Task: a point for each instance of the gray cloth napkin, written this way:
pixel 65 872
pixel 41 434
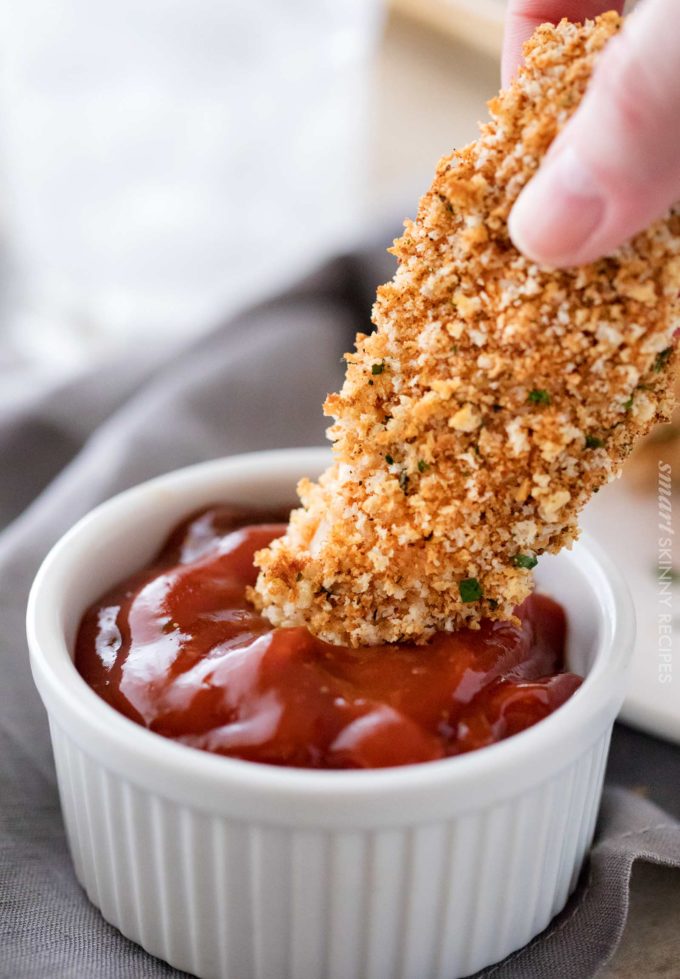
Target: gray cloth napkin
pixel 256 382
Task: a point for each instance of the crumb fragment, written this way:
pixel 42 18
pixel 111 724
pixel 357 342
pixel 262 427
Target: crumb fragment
pixel 493 399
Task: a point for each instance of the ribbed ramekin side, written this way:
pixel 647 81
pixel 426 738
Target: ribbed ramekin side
pixel 228 899
pixel 513 866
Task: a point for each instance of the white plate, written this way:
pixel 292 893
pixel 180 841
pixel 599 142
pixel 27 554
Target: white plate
pixel 626 524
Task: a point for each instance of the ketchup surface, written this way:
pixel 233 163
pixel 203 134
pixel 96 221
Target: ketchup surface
pixel 178 649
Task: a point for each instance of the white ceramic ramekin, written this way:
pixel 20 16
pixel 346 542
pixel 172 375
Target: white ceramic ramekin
pixel 241 871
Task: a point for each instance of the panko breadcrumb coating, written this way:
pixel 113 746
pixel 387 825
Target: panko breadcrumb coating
pixel 661 445
pixel 493 399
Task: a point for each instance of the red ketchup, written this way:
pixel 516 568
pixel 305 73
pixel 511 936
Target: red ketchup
pixel 178 649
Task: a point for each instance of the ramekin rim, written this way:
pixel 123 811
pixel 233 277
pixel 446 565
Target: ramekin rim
pixel 68 686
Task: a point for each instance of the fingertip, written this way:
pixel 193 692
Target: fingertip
pixel 516 33
pixel 517 229
pixel 558 212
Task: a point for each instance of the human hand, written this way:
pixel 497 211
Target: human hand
pixel 615 167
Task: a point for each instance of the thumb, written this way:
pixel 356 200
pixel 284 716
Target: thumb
pixel 615 167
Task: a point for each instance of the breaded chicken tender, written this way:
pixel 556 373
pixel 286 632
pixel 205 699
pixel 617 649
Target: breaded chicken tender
pixel 493 399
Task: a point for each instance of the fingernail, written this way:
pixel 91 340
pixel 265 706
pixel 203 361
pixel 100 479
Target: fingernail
pixel 558 211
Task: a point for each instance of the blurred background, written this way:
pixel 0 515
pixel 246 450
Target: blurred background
pixel 164 163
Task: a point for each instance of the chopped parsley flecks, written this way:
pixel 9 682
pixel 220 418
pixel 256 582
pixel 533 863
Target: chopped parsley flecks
pixel 377 368
pixel 422 466
pixel 539 396
pixel 527 561
pixel 470 590
pixel 593 442
pixel 662 359
pixel 389 460
pixel 628 404
pixel 446 202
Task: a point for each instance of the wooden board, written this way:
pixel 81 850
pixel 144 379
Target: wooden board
pixel 478 23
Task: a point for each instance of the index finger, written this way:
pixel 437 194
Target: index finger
pixel 524 16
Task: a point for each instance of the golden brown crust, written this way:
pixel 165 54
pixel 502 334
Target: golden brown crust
pixel 641 471
pixel 493 399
